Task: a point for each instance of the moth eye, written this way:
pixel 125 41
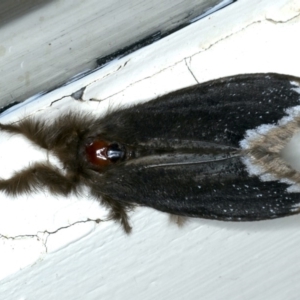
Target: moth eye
pixel 101 153
pixel 114 152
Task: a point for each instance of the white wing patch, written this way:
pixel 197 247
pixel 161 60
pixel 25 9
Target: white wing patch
pixel 272 152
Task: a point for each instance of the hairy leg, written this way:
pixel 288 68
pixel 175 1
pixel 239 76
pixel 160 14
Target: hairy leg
pixel 37 177
pixel 35 130
pixel 118 211
pixel 63 131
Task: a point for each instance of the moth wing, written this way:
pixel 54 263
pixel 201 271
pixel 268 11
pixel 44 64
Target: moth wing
pixel 218 111
pixel 216 190
pixel 209 119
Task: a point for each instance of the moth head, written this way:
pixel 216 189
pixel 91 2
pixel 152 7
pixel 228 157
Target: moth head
pixel 101 154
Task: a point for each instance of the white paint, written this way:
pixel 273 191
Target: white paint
pixel 204 259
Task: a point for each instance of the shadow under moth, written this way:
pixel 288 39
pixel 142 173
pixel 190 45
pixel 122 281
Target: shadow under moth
pixel 216 150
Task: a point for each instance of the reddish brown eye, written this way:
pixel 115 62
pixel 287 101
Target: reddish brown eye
pixel 101 153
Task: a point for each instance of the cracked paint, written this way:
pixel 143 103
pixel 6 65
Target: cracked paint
pixel 43 236
pixel 285 13
pixel 188 65
pixel 156 85
pixel 281 13
pixel 258 48
pixel 32 245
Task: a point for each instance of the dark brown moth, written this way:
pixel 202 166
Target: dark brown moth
pixel 188 153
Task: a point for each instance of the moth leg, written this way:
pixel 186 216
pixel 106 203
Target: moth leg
pixel 34 130
pixel 63 131
pixel 118 211
pixel 37 177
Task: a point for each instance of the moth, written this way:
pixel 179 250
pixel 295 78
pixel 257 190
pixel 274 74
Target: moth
pixel 215 150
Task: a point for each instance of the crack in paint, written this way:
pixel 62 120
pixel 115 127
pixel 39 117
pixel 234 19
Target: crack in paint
pixel 59 99
pixel 173 65
pixel 79 94
pixel 183 60
pixel 190 57
pixel 42 236
pixel 106 75
pixel 274 21
pixel 140 80
pixel 188 66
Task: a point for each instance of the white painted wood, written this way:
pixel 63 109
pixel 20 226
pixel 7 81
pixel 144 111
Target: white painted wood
pixel 46 42
pixel 203 260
